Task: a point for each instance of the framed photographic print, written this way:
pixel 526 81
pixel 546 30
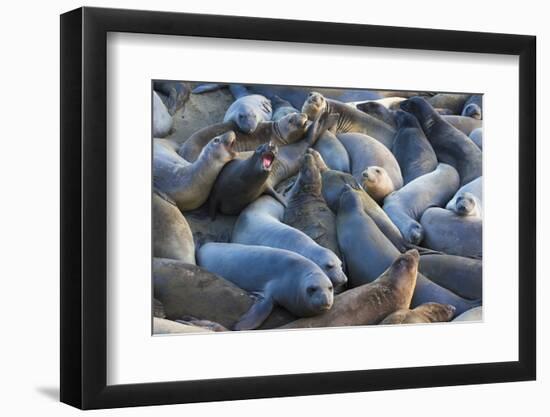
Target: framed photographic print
pixel 258 208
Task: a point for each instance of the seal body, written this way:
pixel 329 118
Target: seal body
pixel 174 95
pixel 453 102
pixel 378 110
pixel 448 232
pixel 468 200
pixel 189 184
pixel 172 237
pixel 278 277
pixel 281 108
pixel 248 111
pixel 406 206
pixel 450 145
pixel 333 152
pixel 350 119
pixel 162 120
pixel 477 137
pixel 411 148
pixel 424 313
pixel 463 123
pixel 261 224
pixel 370 303
pixel 284 131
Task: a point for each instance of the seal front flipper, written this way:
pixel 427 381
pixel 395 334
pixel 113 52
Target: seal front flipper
pixel 270 191
pixel 257 314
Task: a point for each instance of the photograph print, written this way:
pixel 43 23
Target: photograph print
pixel 290 207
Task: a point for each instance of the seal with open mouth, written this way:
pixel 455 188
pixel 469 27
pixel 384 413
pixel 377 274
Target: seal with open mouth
pixel 243 180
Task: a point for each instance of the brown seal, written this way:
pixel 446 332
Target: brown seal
pixel 424 313
pixel 377 183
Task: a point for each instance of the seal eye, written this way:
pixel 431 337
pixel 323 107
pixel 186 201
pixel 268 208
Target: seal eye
pixel 377 170
pixel 217 140
pixel 330 288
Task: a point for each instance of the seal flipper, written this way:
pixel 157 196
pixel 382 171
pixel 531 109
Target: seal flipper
pixel 205 88
pixel 257 314
pixel 271 192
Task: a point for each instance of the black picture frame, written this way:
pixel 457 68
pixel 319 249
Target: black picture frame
pixel 84 207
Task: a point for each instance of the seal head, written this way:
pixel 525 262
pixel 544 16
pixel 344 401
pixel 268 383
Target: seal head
pixel 377 183
pixel 220 148
pixel 315 296
pixel 292 127
pixel 314 104
pixel 472 110
pixel 466 204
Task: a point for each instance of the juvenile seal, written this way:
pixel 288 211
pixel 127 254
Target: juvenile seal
pixel 463 276
pixel 450 145
pixel 472 107
pixel 242 181
pixel 260 223
pixel 411 148
pixel 448 232
pixel 189 184
pixel 350 119
pixel 365 151
pixel 377 182
pixel 367 253
pixel 248 111
pixel 333 152
pixel 172 237
pixel 465 124
pixel 191 291
pixel 468 200
pixel 162 120
pixel 370 303
pixel 284 131
pixel 477 137
pixel 424 313
pixel 405 206
pixel 307 210
pixel 276 276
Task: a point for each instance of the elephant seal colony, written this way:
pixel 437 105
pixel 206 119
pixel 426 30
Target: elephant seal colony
pixel 281 207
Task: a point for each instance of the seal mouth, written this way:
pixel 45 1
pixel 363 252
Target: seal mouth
pixel 267 160
pixel 229 142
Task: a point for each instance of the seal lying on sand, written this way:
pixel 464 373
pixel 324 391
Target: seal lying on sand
pixel 277 276
pixel 405 206
pixel 424 313
pixel 248 111
pixel 350 119
pixel 284 131
pixel 189 184
pixel 370 303
pixel 260 223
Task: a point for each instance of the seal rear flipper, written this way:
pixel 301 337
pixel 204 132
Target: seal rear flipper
pixel 257 314
pixel 271 192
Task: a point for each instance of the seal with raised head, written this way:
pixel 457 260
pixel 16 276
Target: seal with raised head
pixel 248 111
pixel 350 119
pixel 450 233
pixel 450 145
pixel 406 206
pixel 377 182
pixel 365 151
pixel 284 131
pixel 370 303
pixel 276 276
pixel 463 276
pixel 367 253
pixel 468 200
pixel 172 237
pixel 191 291
pixel 411 148
pixel 189 184
pixel 424 313
pixel 260 223
pixel 307 210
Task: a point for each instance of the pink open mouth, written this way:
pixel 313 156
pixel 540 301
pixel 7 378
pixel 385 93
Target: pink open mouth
pixel 267 160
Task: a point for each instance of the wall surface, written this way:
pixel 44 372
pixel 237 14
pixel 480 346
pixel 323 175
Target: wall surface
pixel 29 222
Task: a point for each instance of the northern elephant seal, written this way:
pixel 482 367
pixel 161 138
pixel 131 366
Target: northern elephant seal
pixel 473 107
pixel 468 200
pixel 260 223
pixel 173 94
pixel 189 184
pixel 277 276
pixel 405 206
pixel 172 237
pixel 378 110
pixel 411 148
pixel 162 120
pixel 333 152
pixel 248 111
pixel 450 145
pixel 465 124
pixel 453 102
pixel 377 182
pixel 477 137
pixel 424 313
pixel 370 303
pixel 350 119
pixel 450 233
pixel 284 131
pixel 306 208
pixel 281 108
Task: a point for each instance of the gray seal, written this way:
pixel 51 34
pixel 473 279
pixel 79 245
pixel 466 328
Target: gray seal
pixel 248 111
pixel 281 108
pixel 306 208
pixel 288 129
pixel 465 124
pixel 450 145
pixel 350 119
pixel 405 206
pixel 333 152
pixel 411 148
pixel 172 237
pixel 468 200
pixel 477 137
pixel 261 224
pixel 370 303
pixel 189 184
pixel 424 313
pixel 450 233
pixel 378 110
pixel 463 276
pixel 473 107
pixel 276 276
pixel 368 253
